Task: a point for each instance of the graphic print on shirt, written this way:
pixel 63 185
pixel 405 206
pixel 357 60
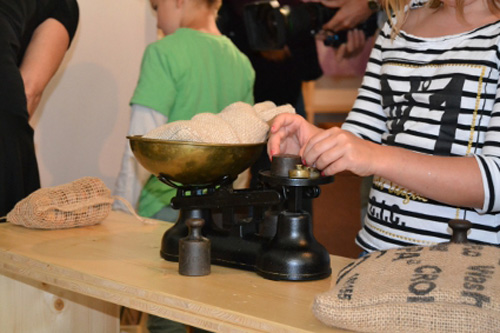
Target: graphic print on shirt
pixel 400 113
pixel 449 99
pixel 442 97
pixel 430 109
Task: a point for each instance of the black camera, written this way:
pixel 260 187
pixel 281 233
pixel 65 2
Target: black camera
pixel 270 26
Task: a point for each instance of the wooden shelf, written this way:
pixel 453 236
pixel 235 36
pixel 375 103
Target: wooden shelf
pixel 330 95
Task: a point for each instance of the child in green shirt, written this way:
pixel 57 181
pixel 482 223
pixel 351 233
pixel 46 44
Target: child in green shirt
pixel 193 69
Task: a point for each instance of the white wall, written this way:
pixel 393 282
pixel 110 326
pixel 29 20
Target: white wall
pixel 82 121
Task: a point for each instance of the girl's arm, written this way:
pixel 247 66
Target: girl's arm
pixel 452 180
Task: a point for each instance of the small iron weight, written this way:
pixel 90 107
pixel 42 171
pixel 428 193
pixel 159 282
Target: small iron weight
pixel 194 250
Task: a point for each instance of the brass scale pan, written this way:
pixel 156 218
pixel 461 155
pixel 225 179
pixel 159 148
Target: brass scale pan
pixel 193 163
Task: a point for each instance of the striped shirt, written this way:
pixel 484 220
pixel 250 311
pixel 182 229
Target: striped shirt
pixel 437 96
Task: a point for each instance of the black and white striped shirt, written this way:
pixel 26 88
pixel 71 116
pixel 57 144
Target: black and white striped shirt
pixel 436 96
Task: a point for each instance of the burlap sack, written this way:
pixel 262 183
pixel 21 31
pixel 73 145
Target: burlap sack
pixel 237 123
pixel 83 202
pixel 444 288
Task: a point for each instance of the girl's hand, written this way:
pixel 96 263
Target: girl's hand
pixel 335 150
pixel 289 133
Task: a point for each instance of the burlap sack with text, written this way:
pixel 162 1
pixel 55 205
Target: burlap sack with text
pixel 237 123
pixel 83 202
pixel 444 288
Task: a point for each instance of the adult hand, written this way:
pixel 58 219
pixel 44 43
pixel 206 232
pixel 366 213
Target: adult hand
pixel 350 13
pixel 335 150
pixel 355 44
pixel 289 134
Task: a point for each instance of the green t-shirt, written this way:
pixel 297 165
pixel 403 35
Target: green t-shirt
pixel 187 73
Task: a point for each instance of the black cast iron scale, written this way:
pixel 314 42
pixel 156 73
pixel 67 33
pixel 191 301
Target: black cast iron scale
pixel 263 230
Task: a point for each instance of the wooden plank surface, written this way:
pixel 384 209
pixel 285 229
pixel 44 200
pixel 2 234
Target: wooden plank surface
pixel 118 261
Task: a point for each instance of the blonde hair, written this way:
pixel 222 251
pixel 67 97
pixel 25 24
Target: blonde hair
pixel 397 8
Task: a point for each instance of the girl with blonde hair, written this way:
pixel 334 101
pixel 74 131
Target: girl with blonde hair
pixel 426 125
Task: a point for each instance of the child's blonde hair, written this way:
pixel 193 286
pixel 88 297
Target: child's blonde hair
pixel 397 8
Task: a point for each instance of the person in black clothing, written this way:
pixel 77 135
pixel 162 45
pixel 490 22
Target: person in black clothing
pixel 278 73
pixel 34 36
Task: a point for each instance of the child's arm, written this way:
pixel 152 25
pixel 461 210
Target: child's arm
pixel 133 176
pixel 452 180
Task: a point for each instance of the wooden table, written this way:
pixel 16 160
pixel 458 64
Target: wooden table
pixel 75 280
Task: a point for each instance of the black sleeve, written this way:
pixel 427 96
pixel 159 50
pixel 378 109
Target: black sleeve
pixel 67 12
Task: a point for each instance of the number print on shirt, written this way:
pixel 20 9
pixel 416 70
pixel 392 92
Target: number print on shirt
pixel 446 99
pixel 449 99
pixel 398 112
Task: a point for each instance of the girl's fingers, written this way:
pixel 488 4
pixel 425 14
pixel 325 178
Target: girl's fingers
pixel 318 145
pixel 284 132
